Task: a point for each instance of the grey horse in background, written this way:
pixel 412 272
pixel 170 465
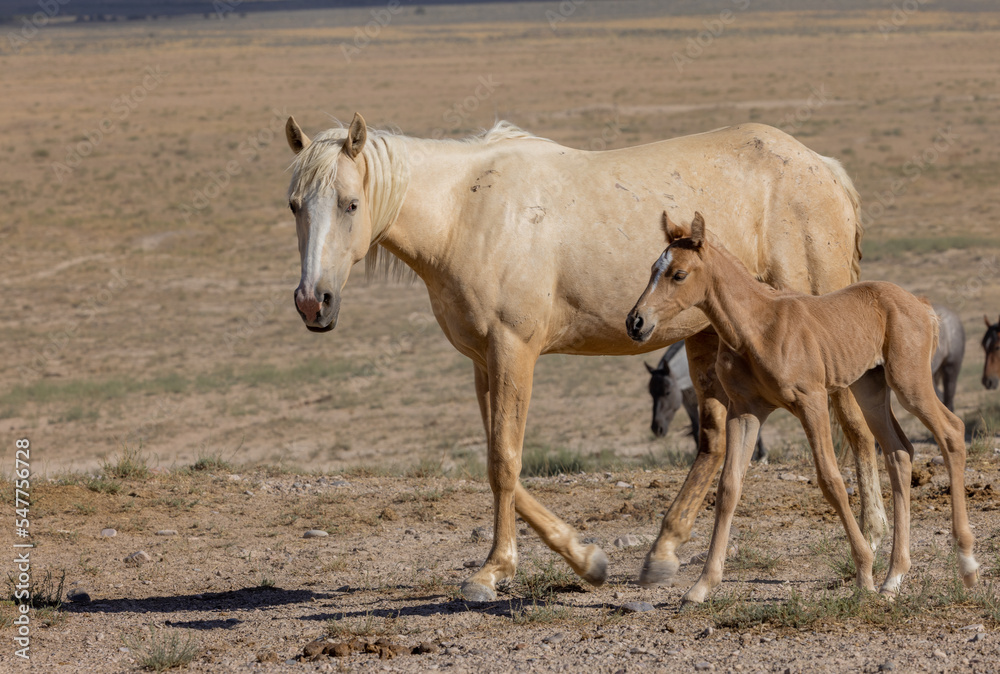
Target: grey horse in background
pixel 947 361
pixel 671 387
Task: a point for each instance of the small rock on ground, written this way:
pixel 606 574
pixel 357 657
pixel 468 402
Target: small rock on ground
pixel 627 541
pixel 78 597
pixel 315 533
pixel 139 557
pixel 704 666
pixel 108 533
pixel 166 532
pixel 637 607
pixel 554 638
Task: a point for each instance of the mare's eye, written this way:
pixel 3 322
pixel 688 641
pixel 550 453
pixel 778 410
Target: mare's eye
pixel 351 207
pixel 680 275
pixel 293 208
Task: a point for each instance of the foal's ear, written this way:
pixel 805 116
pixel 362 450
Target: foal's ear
pixel 672 230
pixel 698 229
pixel 297 139
pixel 356 136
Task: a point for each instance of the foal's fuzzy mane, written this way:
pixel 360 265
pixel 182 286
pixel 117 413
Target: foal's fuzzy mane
pixel 389 165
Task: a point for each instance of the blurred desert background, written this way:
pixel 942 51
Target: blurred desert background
pixel 149 257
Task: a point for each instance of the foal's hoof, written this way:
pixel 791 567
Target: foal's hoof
pixel 969 568
pixel 477 592
pixel 597 566
pixel 659 572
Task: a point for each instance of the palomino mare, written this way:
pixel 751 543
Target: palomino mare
pixel 528 247
pixel 670 387
pixel 991 345
pixel 947 362
pixel 783 349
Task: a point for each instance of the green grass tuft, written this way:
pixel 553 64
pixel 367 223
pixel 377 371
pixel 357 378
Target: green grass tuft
pixel 164 650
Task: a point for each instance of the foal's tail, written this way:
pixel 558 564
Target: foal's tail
pixel 855 199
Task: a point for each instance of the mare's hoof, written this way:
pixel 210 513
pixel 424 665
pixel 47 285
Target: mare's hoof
pixel 477 592
pixel 597 568
pixel 659 572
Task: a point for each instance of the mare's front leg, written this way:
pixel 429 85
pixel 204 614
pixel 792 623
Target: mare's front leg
pixel 812 411
pixel 588 561
pixel 743 425
pixel 504 394
pixel 661 562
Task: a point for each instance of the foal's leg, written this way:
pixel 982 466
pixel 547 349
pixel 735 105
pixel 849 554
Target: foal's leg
pixel 812 412
pixel 661 562
pixel 873 395
pixel 742 428
pixel 874 524
pixel 916 393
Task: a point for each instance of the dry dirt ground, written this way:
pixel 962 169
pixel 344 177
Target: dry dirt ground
pixel 148 259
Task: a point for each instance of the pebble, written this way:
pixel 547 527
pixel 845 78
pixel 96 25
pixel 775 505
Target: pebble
pixel 704 666
pixel 78 597
pixel 427 647
pixel 638 650
pixel 315 533
pixel 887 666
pixel 979 636
pixel 623 485
pixel 108 533
pixel 850 491
pixel 139 557
pixel 978 627
pixel 410 532
pixel 637 607
pixel 707 632
pixel 340 483
pixel 481 534
pixel 520 646
pixel 166 532
pixel 940 655
pixel 938 461
pixel 554 638
pixel 472 564
pixel 627 541
pixel 248 492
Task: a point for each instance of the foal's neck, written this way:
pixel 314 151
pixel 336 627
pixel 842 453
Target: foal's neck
pixel 735 302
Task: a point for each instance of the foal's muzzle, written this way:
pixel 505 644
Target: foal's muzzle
pixel 637 327
pixel 991 382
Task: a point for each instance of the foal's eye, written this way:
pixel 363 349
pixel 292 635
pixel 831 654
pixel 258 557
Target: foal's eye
pixel 351 207
pixel 680 275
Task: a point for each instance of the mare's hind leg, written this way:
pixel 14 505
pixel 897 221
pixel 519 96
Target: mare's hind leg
pixel 915 391
pixel 589 561
pixel 873 395
pixel 813 413
pixel 873 520
pixel 661 562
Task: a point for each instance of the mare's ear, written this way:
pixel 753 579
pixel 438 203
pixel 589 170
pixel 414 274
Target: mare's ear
pixel 698 229
pixel 297 139
pixel 356 136
pixel 672 230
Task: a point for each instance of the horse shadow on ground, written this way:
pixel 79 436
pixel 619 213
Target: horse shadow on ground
pixel 233 600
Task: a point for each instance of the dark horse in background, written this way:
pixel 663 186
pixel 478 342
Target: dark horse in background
pixel 991 345
pixel 671 387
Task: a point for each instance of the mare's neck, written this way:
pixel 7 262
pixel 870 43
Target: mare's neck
pixel 422 232
pixel 735 302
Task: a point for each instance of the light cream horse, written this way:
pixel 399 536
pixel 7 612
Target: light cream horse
pixel 790 350
pixel 528 247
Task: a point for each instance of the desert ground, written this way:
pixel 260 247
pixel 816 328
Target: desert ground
pixel 169 384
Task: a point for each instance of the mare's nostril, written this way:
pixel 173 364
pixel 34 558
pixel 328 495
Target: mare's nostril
pixel 327 298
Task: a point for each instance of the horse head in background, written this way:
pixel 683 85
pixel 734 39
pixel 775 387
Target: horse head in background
pixel 991 345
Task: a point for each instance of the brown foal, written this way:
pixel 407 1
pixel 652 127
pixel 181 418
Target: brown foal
pixel 790 350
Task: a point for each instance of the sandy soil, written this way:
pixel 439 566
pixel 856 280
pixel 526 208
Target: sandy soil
pixel 148 304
